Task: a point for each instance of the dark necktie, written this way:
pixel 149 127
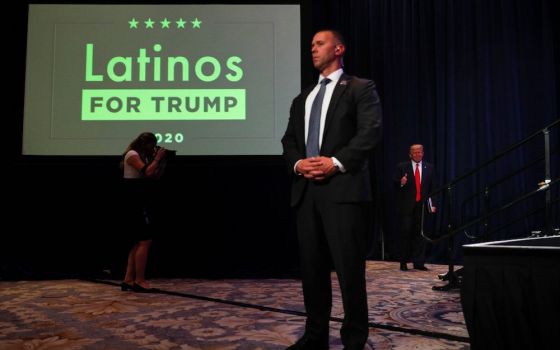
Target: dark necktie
pixel 417 180
pixel 312 148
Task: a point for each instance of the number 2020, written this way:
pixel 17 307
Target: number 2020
pixel 169 137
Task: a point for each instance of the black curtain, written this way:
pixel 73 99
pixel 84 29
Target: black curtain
pixel 465 78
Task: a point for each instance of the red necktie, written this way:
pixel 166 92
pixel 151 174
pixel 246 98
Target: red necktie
pixel 417 180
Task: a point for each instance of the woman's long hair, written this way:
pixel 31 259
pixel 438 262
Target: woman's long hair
pixel 140 144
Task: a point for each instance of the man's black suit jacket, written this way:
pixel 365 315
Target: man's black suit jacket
pixel 352 129
pixel 406 195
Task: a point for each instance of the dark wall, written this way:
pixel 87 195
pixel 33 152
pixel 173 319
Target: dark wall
pixel 215 217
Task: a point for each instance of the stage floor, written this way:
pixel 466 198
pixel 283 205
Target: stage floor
pixel 225 314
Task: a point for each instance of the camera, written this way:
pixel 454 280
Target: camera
pixel 168 152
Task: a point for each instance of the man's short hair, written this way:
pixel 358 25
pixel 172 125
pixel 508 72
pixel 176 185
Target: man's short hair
pixel 337 35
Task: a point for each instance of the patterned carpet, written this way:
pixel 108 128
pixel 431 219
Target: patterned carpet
pixel 194 314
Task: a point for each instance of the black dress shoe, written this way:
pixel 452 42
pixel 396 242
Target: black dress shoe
pixel 420 267
pixel 139 289
pixel 404 267
pixel 125 286
pixel 305 343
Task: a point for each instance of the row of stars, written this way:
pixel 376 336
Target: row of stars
pixel 165 23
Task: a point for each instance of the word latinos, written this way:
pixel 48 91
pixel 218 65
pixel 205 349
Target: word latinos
pixel 125 68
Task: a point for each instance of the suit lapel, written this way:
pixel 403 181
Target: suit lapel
pixel 339 89
pixel 425 176
pixel 410 171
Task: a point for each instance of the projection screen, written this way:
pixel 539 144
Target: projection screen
pixel 206 79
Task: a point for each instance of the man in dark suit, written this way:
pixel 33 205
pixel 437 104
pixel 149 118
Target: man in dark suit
pixel 414 179
pixel 333 127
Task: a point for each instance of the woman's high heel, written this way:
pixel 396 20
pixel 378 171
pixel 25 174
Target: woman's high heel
pixel 125 286
pixel 139 289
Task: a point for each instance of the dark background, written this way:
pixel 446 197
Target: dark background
pixel 465 78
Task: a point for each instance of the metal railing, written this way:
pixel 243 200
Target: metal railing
pixel 456 225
